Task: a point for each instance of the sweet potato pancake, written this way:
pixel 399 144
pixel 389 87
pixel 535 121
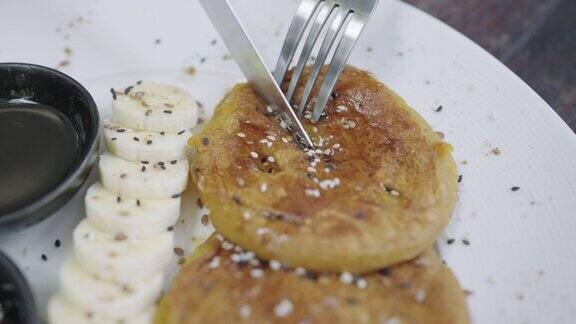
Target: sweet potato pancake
pixel 377 190
pixel 223 284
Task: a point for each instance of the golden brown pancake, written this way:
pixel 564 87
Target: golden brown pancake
pixel 211 288
pixel 380 190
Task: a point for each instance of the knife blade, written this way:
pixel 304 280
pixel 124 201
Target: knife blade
pixel 240 45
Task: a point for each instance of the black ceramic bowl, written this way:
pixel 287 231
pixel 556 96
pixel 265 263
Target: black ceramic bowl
pixel 45 86
pixel 17 304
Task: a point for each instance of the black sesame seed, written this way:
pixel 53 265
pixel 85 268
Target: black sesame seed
pixel 385 272
pixel 136 139
pixel 160 163
pixel 439 109
pixel 138 202
pixel 205 141
pixel 44 257
pixel 163 167
pixel 213 42
pixel 118 200
pixel 113 139
pixel 450 241
pixel 167 111
pixel 144 162
pixel 173 162
pixel 170 228
pixel 139 82
pixel 143 168
pixel 200 203
pixel 120 130
pixel 113 93
pixel 181 132
pixel 202 60
pixel 466 242
pixel 176 196
pixel 162 133
pixel 127 90
pixel 515 188
pixel 149 142
pixel 57 243
pixel 459 178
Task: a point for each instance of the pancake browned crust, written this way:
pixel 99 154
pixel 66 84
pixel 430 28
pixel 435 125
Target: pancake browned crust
pixel 395 191
pixel 207 291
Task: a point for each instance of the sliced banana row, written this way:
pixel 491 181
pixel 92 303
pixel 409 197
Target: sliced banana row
pixel 124 244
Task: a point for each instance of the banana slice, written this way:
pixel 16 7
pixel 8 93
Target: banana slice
pixel 135 218
pixel 155 108
pixel 140 180
pixel 134 145
pixel 90 294
pixel 61 311
pixel 118 257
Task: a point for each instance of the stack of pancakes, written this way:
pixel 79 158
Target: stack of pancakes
pixel 339 234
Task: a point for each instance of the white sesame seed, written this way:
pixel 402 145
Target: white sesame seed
pixel 219 237
pixel 341 108
pixel 241 135
pixel 240 182
pixel 420 295
pixel 351 123
pixel 263 230
pixel 311 169
pixel 283 125
pixel 270 137
pixel 283 308
pixel 256 273
pixel 393 320
pixel 327 170
pixel 361 283
pixel 345 126
pixel 346 277
pixel 227 245
pixel 300 271
pixel 284 139
pixel 327 152
pixel 264 187
pixel 313 164
pixel 312 193
pixel 271 159
pixel 318 151
pixel 214 263
pixel 254 155
pixel 336 146
pixel 315 129
pixel 235 257
pixel 238 248
pixel 247 215
pixel 275 265
pixel 263 141
pixel 394 192
pixel 317 159
pixel 254 262
pixel 269 144
pixel 245 311
pixel 269 109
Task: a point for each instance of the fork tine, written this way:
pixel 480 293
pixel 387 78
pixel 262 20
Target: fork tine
pixel 317 27
pixel 339 59
pixel 304 13
pixel 337 23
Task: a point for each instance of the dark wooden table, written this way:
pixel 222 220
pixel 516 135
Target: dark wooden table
pixel 534 38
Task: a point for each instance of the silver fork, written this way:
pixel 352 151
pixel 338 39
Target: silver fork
pixel 343 19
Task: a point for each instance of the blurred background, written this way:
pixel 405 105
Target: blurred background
pixel 534 38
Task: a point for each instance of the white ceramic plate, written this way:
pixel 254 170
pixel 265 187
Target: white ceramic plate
pixel 520 263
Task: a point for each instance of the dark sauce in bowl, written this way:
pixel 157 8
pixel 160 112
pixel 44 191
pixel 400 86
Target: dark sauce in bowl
pixel 38 147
